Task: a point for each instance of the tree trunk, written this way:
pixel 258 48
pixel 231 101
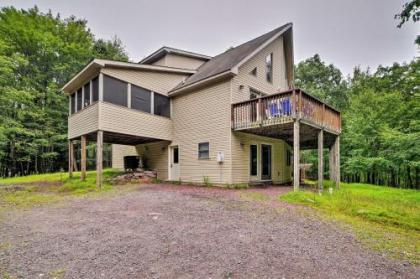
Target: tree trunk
pixel 12 159
pixel 392 178
pixel 409 181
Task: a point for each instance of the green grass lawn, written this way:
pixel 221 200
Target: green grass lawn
pixel 45 188
pixel 386 218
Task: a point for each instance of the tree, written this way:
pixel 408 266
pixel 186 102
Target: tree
pixel 39 52
pixel 321 80
pixel 410 11
pixel 380 140
pixel 113 49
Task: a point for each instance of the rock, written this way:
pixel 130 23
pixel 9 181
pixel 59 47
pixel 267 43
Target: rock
pixel 139 176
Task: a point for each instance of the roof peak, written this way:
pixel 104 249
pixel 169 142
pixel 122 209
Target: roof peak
pixel 166 49
pixel 229 60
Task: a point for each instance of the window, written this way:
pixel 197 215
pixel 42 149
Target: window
pixel 72 103
pixel 86 101
pixel 203 150
pixel 269 67
pixel 161 105
pixel 176 155
pixel 288 158
pixel 95 89
pixel 115 91
pixel 140 98
pixel 79 99
pixel 253 94
pixel 253 160
pixel 254 72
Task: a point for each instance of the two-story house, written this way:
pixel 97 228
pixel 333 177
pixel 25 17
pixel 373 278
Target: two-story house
pixel 232 118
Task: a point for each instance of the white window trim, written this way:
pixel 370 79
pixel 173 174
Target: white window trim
pixel 129 95
pixel 198 149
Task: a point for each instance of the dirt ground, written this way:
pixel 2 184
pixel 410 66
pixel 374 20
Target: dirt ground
pixel 168 231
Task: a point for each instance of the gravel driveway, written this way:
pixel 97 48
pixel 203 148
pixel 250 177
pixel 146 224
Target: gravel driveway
pixel 169 231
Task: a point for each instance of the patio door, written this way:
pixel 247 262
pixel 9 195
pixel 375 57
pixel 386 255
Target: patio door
pixel 265 162
pixel 174 163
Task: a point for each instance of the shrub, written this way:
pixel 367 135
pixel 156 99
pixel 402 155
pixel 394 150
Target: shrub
pixel 207 182
pixel 237 186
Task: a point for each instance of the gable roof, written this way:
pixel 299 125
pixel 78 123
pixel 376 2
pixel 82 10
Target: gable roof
pixel 231 58
pixel 165 50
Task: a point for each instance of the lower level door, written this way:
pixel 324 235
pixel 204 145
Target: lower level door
pixel 174 163
pixel 265 162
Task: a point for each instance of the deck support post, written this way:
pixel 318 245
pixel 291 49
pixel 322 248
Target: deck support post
pixel 296 157
pixel 71 158
pixel 99 156
pixel 320 160
pixel 337 162
pixel 334 162
pixel 331 163
pixel 83 158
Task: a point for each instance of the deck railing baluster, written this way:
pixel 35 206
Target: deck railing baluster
pixel 281 108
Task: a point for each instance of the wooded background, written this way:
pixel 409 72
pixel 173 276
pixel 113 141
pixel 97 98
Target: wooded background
pixel 39 52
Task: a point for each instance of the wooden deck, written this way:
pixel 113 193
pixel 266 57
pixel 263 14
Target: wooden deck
pixel 274 115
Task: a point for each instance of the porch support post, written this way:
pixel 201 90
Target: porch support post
pixel 83 158
pixel 99 150
pixel 337 162
pixel 71 158
pixel 74 154
pixel 296 157
pixel 320 160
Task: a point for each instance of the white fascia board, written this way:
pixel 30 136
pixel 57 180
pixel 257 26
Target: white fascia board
pixel 261 47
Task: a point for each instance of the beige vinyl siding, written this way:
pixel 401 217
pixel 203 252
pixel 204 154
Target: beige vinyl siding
pixel 183 62
pixel 118 153
pixel 259 82
pixel 280 173
pixel 156 155
pixel 155 81
pixel 118 119
pixel 203 116
pixel 84 121
pixel 113 118
pixel 179 61
pixel 160 62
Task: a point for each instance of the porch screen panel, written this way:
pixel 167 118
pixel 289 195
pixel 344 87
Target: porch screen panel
pixel 72 103
pixel 140 98
pixel 115 91
pixel 162 105
pixel 79 99
pixel 95 89
pixel 86 101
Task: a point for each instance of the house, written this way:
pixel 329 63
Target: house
pixel 232 118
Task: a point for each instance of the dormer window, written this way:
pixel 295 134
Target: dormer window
pixel 254 72
pixel 269 68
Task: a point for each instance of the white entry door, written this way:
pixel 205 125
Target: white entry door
pixel 174 163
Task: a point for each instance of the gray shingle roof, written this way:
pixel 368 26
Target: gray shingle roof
pixel 229 59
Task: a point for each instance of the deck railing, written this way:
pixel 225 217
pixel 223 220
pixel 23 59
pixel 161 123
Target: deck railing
pixel 282 108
